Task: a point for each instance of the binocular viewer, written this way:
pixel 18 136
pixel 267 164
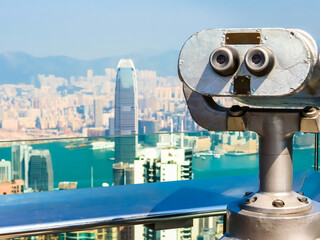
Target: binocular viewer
pixel 267 67
pixel 270 67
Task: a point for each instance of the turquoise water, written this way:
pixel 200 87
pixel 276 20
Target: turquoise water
pixel 75 164
pixel 238 165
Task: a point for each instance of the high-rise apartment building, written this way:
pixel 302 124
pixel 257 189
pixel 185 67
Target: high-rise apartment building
pixel 5 171
pixel 126 112
pixel 160 165
pixel 40 170
pixel 98 113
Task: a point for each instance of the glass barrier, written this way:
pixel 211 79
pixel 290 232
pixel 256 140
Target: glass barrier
pixel 202 229
pixel 46 165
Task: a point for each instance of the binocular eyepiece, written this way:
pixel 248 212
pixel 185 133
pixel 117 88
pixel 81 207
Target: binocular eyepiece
pixel 225 61
pixel 259 61
pixel 267 67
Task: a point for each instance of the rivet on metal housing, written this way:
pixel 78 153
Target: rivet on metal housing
pixel 236 111
pixel 303 200
pixel 309 111
pixel 251 200
pixel 278 203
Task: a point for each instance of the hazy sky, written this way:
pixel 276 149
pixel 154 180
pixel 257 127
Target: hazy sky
pixel 99 28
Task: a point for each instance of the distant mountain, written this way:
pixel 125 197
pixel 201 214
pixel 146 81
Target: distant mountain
pixel 19 67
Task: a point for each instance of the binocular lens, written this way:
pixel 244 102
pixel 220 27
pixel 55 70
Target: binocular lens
pixel 259 61
pixel 221 59
pixel 224 61
pixel 256 59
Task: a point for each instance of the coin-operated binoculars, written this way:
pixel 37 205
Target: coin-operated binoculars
pixel 276 69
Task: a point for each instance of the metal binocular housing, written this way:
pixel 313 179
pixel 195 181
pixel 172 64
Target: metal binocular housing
pixel 268 67
pixel 275 68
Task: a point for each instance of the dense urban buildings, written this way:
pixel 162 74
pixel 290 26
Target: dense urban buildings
pixel 52 106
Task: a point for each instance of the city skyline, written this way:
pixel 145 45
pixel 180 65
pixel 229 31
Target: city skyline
pixel 71 118
pixel 53 106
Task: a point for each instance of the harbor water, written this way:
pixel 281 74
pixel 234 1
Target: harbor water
pixel 84 164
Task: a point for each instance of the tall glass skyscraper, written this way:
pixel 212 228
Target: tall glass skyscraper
pixel 126 112
pixel 40 170
pixel 20 154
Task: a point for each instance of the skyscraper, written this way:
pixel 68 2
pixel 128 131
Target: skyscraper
pixel 40 170
pixel 126 112
pixel 5 171
pixel 98 113
pixel 16 158
pixel 123 174
pixel 20 154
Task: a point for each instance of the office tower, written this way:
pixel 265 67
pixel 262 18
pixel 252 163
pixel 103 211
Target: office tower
pixel 126 112
pixel 20 154
pixel 123 174
pixel 5 171
pixel 98 113
pixel 40 170
pixel 160 165
pixel 16 158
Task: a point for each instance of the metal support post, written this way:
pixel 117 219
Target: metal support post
pixel 274 211
pixel 275 161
